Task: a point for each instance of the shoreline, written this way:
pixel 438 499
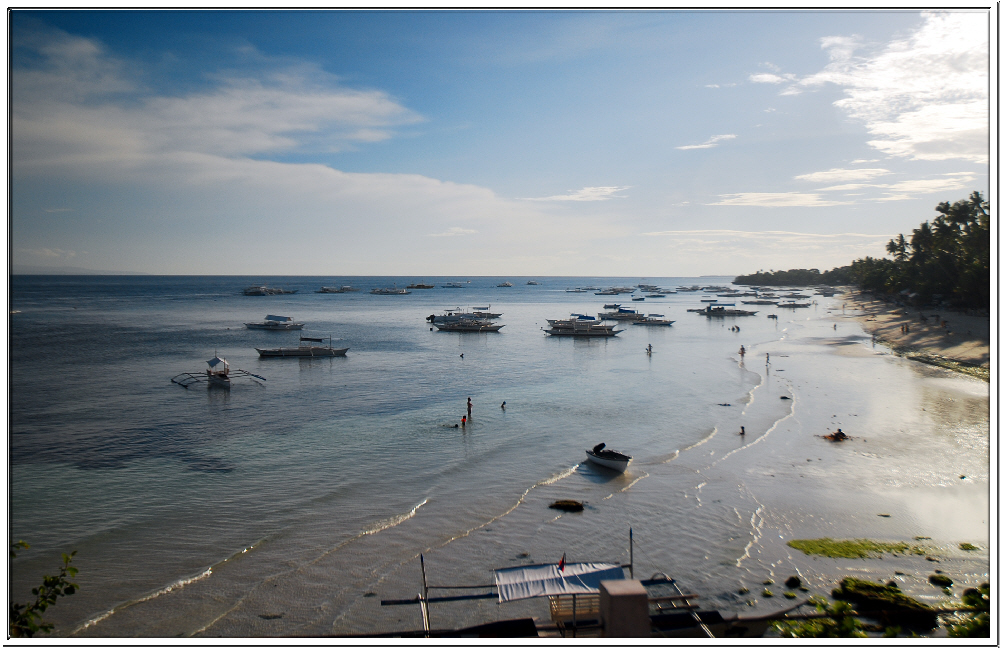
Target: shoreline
pixel 943 338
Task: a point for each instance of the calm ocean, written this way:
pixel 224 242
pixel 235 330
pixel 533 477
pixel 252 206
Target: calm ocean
pixel 295 505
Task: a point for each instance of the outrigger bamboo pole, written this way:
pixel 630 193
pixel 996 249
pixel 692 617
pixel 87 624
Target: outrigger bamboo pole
pixel 424 609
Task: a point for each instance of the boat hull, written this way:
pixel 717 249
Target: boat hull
pixel 617 463
pixel 302 352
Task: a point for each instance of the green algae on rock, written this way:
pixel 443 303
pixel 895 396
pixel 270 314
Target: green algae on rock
pixel 857 548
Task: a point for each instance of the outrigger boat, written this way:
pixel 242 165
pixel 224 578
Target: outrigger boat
pixel 305 350
pixel 218 374
pixel 608 458
pixel 576 592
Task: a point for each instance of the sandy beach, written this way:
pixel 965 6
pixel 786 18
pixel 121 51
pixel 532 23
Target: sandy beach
pixel 946 338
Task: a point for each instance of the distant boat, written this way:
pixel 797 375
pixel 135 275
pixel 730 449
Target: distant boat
pixel 259 291
pixel 608 458
pixel 390 291
pixel 420 286
pixel 794 305
pixel 505 284
pixel 532 283
pixel 654 321
pixel 638 299
pixel 275 323
pixel 342 289
pixel 453 284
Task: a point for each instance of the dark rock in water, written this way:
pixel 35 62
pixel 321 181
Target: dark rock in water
pixel 567 505
pixel 785 398
pixel 793 582
pixel 886 602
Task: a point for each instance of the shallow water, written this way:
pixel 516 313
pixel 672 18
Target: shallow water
pixel 296 505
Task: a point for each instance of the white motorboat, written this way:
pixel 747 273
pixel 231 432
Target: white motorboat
pixel 505 284
pixel 653 320
pixel 608 458
pixel 275 323
pixel 390 291
pixel 305 350
pixel 218 374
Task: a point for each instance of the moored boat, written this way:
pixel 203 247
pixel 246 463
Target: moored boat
pixel 419 286
pixel 468 325
pixel 305 350
pixel 218 374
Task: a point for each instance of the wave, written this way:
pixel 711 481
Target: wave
pixel 176 585
pixel 395 520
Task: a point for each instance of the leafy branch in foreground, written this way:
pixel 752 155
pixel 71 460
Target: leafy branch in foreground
pixel 975 624
pixel 839 620
pixel 26 618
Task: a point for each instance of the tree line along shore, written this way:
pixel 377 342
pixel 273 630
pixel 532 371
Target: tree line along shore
pixel 944 264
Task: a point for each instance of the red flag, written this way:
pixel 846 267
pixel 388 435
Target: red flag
pixel 562 563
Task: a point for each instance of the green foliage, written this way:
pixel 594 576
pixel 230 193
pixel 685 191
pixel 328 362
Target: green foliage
pixel 839 620
pixel 976 624
pixel 967 546
pixel 26 618
pixel 948 257
pixel 858 548
pixel 800 277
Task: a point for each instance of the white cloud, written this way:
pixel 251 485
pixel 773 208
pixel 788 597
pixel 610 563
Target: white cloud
pixel 712 142
pixel 68 109
pixel 923 97
pixel 842 175
pixel 773 248
pixel 588 194
pixel 787 199
pixel 48 253
pixel 771 78
pixel 456 231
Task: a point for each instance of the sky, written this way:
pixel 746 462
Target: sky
pixel 468 143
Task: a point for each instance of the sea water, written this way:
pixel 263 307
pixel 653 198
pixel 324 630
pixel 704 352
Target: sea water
pixel 294 504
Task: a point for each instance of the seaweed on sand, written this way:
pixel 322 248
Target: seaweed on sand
pixel 857 548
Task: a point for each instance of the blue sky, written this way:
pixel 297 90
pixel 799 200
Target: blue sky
pixel 641 143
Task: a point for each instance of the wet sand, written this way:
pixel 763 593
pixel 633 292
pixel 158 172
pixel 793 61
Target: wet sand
pixel 946 338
